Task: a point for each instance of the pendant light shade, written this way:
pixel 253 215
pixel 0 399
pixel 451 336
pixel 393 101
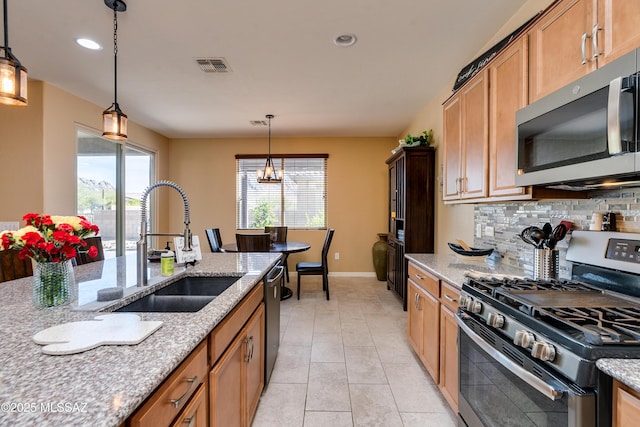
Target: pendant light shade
pixel 114 121
pixel 269 175
pixel 13 76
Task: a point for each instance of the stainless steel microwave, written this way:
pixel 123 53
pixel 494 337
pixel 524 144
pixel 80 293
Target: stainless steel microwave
pixel 584 135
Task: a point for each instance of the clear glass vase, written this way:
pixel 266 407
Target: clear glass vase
pixel 53 283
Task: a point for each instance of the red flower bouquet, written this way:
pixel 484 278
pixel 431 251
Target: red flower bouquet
pixel 50 238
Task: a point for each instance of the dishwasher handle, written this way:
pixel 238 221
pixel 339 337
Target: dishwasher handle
pixel 275 275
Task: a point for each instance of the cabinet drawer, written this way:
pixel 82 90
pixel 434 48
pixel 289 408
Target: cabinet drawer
pixel 224 333
pixel 425 280
pixel 449 296
pixel 195 414
pixel 172 396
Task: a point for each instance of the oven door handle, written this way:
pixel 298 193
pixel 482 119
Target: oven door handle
pixel 548 390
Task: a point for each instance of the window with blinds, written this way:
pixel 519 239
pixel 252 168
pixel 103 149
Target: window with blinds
pixel 300 201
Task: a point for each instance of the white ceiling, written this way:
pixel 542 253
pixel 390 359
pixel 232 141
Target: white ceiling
pixel 281 54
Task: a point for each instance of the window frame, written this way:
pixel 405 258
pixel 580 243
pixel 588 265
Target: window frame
pixel 281 158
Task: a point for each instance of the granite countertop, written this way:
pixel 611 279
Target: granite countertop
pixel 627 371
pixel 452 269
pixel 105 385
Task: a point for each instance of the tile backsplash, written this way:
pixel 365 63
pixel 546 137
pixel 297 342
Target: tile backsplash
pixel 508 219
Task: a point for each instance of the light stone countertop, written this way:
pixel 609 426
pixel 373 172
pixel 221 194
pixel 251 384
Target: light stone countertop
pixel 103 386
pixel 452 269
pixel 627 371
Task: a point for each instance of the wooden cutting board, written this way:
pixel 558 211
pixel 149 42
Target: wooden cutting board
pixel 107 329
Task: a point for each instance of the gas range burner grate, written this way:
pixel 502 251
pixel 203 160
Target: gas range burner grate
pixel 494 286
pixel 598 326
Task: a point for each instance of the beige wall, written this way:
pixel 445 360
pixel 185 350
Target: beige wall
pixel 41 139
pixel 457 221
pixel 357 191
pixel 21 157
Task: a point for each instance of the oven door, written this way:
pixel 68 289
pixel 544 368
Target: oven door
pixel 500 385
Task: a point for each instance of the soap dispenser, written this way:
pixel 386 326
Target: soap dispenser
pixel 166 261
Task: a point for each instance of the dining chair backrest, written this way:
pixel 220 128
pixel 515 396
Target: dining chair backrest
pixel 215 240
pixel 12 267
pixel 325 247
pixel 83 257
pixel 260 242
pixel 279 233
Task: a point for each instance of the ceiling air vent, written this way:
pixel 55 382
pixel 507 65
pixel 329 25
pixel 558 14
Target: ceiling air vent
pixel 258 122
pixel 213 65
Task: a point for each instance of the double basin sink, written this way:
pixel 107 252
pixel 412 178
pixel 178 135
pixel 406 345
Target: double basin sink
pixel 186 295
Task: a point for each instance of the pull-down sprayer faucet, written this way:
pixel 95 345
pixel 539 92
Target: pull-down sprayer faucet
pixel 141 245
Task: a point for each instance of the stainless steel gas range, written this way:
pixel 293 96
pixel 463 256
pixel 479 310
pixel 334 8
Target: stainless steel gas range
pixel 528 348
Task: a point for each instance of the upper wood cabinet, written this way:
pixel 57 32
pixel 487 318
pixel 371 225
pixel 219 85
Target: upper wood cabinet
pixel 466 139
pixel 577 36
pixel 508 92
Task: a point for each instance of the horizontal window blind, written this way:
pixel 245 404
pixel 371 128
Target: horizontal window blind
pixel 300 201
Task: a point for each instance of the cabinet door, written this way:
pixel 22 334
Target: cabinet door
pixel 618 31
pixel 430 308
pixel 475 137
pixel 226 391
pixel 626 406
pixel 414 320
pixel 556 47
pixel 449 357
pixel 254 358
pixel 507 94
pixel 452 121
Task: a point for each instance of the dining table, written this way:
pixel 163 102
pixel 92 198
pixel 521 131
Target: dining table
pixel 285 248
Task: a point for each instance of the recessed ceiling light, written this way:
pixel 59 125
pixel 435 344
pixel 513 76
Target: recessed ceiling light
pixel 345 40
pixel 89 44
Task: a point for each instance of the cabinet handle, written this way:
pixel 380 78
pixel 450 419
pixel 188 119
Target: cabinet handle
pixel 419 277
pixel 415 300
pixel 179 401
pixel 450 299
pixel 249 349
pixel 594 40
pixel 585 36
pixel 190 421
pixel 458 185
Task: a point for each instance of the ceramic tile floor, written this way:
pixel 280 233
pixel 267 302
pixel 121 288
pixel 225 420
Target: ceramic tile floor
pixel 347 362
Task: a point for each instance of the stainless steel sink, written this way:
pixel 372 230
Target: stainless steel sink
pixel 211 286
pixel 187 295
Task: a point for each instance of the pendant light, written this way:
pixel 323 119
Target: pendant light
pixel 13 76
pixel 114 121
pixel 268 175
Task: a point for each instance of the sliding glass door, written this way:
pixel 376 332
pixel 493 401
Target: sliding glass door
pixel 111 178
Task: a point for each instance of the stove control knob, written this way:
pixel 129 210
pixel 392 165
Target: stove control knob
pixel 463 300
pixel 496 320
pixel 474 306
pixel 543 351
pixel 524 338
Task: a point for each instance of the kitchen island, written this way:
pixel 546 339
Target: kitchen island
pixel 104 386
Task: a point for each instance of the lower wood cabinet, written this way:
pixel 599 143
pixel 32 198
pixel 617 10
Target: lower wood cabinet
pixel 237 379
pixel 432 328
pixel 171 399
pixel 626 406
pixel 220 382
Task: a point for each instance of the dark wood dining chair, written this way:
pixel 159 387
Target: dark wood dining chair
pixel 260 242
pixel 280 236
pixel 83 258
pixel 12 267
pixel 317 268
pixel 215 240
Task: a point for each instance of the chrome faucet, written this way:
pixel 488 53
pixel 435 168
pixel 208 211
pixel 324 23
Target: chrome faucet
pixel 141 245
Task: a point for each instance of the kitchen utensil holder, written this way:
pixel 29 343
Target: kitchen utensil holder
pixel 545 263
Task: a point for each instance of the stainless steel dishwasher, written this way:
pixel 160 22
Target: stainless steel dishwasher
pixel 272 290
